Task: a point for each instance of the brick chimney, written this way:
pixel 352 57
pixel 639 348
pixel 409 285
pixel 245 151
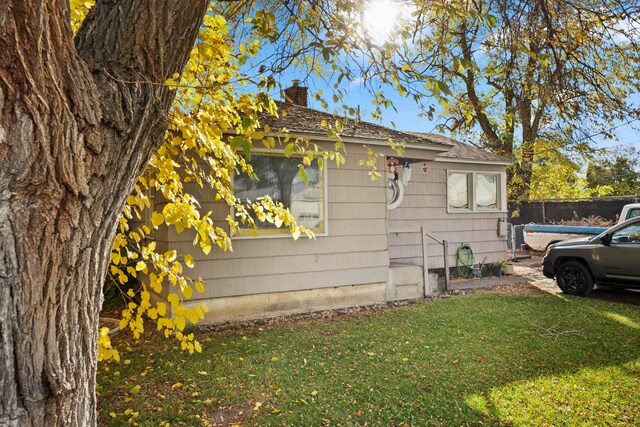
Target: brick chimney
pixel 296 94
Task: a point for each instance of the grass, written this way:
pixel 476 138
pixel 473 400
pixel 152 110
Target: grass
pixel 479 359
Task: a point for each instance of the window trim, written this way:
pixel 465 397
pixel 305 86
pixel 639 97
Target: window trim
pixel 501 201
pixel 282 232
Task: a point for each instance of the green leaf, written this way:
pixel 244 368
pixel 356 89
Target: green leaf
pixel 238 140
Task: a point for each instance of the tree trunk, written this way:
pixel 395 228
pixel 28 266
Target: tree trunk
pixel 523 173
pixel 77 126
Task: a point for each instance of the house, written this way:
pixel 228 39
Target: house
pixel 372 236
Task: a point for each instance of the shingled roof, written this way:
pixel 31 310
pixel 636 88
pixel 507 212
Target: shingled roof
pixel 463 151
pixel 302 120
pixel 299 119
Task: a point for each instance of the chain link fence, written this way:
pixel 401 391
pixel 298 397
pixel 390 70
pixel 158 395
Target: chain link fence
pixel 564 210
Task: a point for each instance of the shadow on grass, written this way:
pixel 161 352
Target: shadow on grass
pixel 622 295
pixel 485 359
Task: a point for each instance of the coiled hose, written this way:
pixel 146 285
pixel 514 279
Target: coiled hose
pixel 464 260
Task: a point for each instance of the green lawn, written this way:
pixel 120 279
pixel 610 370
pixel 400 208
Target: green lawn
pixel 479 359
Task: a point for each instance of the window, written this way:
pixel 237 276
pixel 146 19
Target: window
pixel 628 234
pixel 633 213
pixel 277 177
pixel 486 192
pixel 458 187
pixel 474 191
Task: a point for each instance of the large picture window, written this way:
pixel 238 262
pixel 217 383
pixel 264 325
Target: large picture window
pixel 473 191
pixel 278 177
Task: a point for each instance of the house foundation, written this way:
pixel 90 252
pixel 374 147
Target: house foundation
pixel 259 306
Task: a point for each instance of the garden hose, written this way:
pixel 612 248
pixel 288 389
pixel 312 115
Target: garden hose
pixel 464 260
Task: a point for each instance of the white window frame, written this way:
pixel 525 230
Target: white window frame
pixel 501 201
pixel 248 234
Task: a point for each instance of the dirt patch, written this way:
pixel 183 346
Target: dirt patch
pixel 329 334
pixel 229 416
pixel 529 258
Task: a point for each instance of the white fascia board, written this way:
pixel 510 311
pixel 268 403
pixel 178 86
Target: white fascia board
pixel 471 161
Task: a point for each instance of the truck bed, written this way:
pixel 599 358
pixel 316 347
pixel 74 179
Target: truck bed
pixel 539 236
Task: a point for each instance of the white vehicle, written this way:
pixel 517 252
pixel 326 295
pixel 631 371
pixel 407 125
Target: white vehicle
pixel 539 236
pixel 629 211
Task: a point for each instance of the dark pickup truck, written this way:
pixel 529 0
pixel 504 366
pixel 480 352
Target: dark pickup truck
pixel 611 258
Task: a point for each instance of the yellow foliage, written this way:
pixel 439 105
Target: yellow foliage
pixel 211 104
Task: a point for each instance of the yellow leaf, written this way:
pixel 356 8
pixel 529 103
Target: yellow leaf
pixel 180 322
pixel 171 255
pixel 200 286
pixel 162 308
pixel 296 233
pixel 187 291
pixel 140 266
pixel 173 299
pixel 188 259
pixel 156 219
pixel 206 247
pixel 192 315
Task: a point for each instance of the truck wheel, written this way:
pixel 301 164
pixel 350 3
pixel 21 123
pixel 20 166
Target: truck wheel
pixel 574 278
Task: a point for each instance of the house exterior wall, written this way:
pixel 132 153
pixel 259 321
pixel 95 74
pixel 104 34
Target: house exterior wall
pixel 349 264
pixel 425 205
pixel 354 251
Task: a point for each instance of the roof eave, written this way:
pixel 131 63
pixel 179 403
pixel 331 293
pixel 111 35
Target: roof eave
pixel 360 140
pixel 474 161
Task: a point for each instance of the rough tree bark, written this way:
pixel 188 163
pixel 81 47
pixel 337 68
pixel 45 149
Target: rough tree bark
pixel 77 125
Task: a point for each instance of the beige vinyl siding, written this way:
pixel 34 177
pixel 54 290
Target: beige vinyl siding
pixel 248 285
pixel 425 205
pixel 354 251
